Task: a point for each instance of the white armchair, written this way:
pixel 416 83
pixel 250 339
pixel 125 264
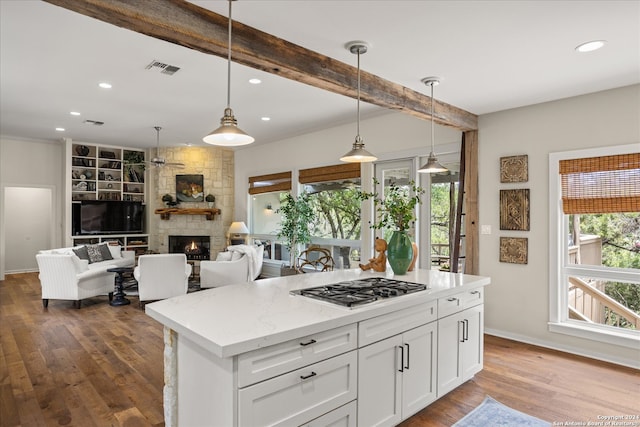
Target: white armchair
pixel 244 265
pixel 65 276
pixel 162 276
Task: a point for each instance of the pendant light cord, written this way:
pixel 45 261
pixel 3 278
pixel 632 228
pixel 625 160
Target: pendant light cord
pixel 229 62
pixel 433 141
pixel 358 108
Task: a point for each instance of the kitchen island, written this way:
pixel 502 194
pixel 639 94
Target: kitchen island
pixel 254 354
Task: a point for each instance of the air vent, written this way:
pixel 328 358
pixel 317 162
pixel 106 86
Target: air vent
pixel 93 122
pixel 162 67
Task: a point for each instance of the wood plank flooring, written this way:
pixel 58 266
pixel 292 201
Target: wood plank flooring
pixel 102 366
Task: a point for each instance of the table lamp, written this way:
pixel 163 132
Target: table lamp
pixel 238 232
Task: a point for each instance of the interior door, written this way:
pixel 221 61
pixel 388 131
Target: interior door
pixel 26 230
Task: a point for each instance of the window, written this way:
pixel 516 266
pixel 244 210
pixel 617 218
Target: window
pixel 399 173
pixel 444 196
pixel 333 195
pixel 265 192
pixel 595 226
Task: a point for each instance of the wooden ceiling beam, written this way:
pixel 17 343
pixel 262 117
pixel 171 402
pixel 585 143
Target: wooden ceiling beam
pixel 189 25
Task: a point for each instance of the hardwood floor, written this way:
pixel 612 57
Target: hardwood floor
pixel 103 366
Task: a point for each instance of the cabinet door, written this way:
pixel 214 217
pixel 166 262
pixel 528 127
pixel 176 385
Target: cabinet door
pixel 473 345
pixel 449 357
pixel 379 383
pixel 419 377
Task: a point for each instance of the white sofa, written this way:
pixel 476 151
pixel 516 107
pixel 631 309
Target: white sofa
pixel 63 275
pixel 239 264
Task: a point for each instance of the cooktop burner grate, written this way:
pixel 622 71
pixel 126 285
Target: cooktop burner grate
pixel 351 293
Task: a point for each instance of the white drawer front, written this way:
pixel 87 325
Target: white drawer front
pixel 450 305
pixel 473 298
pixel 268 362
pixel 381 327
pixel 296 397
pixel 344 416
pixel 458 302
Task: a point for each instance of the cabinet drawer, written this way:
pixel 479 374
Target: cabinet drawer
pixel 268 362
pixel 296 397
pixel 458 302
pixel 381 327
pixel 344 416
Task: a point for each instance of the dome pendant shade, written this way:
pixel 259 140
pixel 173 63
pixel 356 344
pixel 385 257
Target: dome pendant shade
pixel 228 134
pixel 432 165
pixel 358 154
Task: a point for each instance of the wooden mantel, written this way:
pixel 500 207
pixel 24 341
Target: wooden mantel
pixel 165 213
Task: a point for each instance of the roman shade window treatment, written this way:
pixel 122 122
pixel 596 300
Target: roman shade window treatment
pixel 329 173
pixel 604 184
pixel 270 183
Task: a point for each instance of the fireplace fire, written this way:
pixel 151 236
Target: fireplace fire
pixel 196 248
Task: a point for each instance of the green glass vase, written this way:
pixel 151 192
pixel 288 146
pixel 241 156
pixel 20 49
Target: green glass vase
pixel 399 252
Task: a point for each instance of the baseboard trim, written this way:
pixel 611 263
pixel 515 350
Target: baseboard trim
pixel 630 363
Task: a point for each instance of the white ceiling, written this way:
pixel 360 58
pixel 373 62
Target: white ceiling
pixel 491 56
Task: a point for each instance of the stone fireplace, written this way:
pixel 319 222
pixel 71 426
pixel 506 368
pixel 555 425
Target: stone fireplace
pixel 196 248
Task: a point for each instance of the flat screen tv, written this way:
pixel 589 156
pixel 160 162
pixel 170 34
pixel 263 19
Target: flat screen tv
pixel 111 217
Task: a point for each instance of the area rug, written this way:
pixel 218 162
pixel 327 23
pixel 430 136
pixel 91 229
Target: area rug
pixel 491 413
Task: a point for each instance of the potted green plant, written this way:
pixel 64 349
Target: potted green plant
pixel 297 215
pixel 396 211
pixel 211 200
pixel 133 164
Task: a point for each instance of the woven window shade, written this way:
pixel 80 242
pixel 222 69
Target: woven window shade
pixel 604 184
pixel 270 183
pixel 329 173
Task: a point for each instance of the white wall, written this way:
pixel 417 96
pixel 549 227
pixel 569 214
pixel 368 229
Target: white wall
pixel 518 298
pixel 28 163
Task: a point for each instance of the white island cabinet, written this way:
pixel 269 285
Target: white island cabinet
pixel 253 354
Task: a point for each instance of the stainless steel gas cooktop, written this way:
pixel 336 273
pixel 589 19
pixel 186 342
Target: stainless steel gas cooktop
pixel 351 293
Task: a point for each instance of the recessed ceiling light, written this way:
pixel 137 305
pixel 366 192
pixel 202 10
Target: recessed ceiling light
pixel 255 81
pixel 265 119
pixel 60 129
pixel 74 113
pixel 591 46
pixel 105 85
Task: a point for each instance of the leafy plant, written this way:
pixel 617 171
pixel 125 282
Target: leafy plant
pixel 397 209
pixel 210 198
pixel 295 227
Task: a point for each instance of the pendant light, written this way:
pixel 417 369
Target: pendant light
pixel 358 154
pixel 432 165
pixel 228 134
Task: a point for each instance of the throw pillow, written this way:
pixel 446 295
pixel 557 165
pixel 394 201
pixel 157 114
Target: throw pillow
pixel 82 252
pixel 223 256
pixel 97 253
pixel 116 251
pixel 105 252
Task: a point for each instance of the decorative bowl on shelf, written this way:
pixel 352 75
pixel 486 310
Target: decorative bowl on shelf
pixel 82 150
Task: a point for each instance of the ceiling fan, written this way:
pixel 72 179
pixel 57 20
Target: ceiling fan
pixel 161 161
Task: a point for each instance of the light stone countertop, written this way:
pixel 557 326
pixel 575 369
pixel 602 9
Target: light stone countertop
pixel 234 319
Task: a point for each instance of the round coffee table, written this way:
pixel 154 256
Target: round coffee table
pixel 119 295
